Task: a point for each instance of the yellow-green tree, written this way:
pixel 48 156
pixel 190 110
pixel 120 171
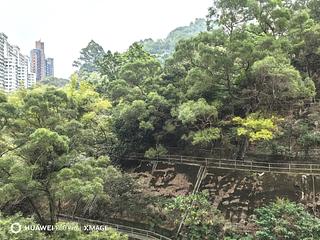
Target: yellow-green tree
pixel 253 129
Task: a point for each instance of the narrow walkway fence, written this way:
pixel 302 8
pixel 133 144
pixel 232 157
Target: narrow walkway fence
pixel 286 155
pixel 132 232
pixel 230 164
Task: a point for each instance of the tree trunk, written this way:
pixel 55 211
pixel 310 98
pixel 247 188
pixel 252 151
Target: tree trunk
pixel 76 207
pixel 52 208
pixel 40 218
pixel 242 148
pixel 59 206
pixel 306 153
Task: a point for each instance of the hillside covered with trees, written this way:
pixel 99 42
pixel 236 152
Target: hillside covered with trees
pixel 250 83
pixel 163 48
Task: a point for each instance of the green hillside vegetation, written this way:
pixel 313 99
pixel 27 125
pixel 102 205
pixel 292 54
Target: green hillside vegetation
pixel 163 48
pixel 54 81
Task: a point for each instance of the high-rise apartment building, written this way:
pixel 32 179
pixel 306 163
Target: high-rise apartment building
pixel 3 41
pixel 38 61
pixel 41 66
pixel 49 67
pixel 24 72
pixel 36 67
pixel 14 67
pixel 11 81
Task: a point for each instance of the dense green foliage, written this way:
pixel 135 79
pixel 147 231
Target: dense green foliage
pixel 201 219
pixel 53 144
pixel 250 65
pixel 259 59
pixel 286 220
pixel 279 220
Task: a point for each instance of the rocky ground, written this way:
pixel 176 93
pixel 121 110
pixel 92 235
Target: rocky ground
pixel 167 180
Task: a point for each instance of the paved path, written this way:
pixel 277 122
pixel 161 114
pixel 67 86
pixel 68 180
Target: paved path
pixel 229 164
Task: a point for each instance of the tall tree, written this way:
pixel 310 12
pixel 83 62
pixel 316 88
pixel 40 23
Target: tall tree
pixel 89 56
pixel 48 142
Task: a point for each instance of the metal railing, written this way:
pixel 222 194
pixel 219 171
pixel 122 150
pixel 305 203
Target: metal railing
pixel 293 155
pixel 230 164
pixel 132 232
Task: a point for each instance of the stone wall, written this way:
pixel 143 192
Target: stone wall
pixel 238 194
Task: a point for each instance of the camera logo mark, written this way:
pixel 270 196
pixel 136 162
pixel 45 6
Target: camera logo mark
pixel 15 228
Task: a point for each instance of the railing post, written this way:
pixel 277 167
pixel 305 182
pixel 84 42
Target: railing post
pixel 251 166
pixel 235 164
pixel 289 167
pixel 310 168
pixel 269 167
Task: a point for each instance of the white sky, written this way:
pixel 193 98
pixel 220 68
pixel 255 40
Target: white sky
pixel 66 26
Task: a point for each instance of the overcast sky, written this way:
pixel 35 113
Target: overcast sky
pixel 66 26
